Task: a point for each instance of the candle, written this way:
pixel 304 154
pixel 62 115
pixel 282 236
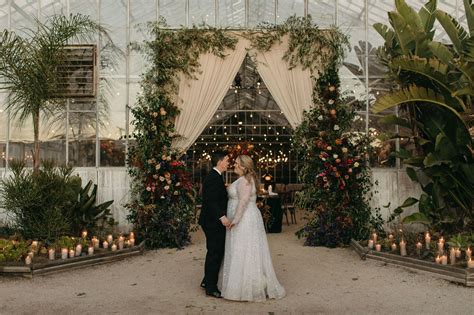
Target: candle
pixel 114 247
pixel 403 248
pixel 468 253
pixel 390 236
pixel 31 254
pixel 441 245
pixel 132 242
pixel 444 260
pixel 78 249
pixel 34 245
pixel 458 253
pixel 51 253
pixel 105 244
pixel 90 250
pixel 452 256
pixel 71 253
pixel 438 260
pixel 110 238
pixel 84 234
pixel 28 260
pixel 378 247
pixel 418 248
pixel 470 263
pixel 63 253
pixel 374 237
pixel 95 242
pixel 371 244
pixel 120 242
pixel 427 240
pixel 394 247
pixel 131 235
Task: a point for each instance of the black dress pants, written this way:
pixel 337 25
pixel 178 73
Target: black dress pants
pixel 215 244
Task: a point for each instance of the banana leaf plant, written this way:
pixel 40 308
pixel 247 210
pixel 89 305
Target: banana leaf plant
pixel 436 83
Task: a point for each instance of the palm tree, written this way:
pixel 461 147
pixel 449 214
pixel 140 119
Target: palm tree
pixel 30 67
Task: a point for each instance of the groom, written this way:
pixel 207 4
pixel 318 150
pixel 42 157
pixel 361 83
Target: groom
pixel 213 221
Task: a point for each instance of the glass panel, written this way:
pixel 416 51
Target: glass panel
pixel 288 8
pixel 261 11
pixel 112 130
pixel 351 14
pixel 53 7
pixel 86 7
pixel 231 13
pixel 82 139
pixel 24 14
pixel 3 128
pixel 141 12
pixel 323 12
pixel 174 11
pixel 202 11
pixel 378 11
pixel 3 14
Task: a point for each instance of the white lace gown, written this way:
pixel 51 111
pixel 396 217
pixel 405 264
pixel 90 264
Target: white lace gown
pixel 247 273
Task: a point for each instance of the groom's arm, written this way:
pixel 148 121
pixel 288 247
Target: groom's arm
pixel 212 197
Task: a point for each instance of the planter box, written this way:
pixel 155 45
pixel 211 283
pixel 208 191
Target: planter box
pixel 457 274
pixel 59 265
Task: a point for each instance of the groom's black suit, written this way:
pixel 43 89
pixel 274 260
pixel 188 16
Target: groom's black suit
pixel 214 206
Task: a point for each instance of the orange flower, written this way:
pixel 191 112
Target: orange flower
pixel 338 141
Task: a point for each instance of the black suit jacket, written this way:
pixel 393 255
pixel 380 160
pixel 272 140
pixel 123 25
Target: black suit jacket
pixel 214 200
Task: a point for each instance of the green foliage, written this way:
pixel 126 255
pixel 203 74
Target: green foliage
pixel 48 203
pixel 335 170
pixel 436 92
pixel 12 250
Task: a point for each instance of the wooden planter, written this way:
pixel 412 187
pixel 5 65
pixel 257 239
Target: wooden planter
pixel 457 274
pixel 59 265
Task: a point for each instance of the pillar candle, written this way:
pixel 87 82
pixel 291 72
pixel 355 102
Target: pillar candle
pixel 131 235
pixel 470 263
pixel 105 244
pixel 427 240
pixel 78 250
pixel 132 242
pixel 71 253
pixel 51 253
pixel 95 242
pixel 458 253
pixel 120 242
pixel 441 245
pixel 84 234
pixel 34 246
pixel 378 247
pixel 28 260
pixel 444 260
pixel 468 253
pixel 90 250
pixel 390 236
pixel 452 256
pixel 110 238
pixel 403 248
pixel 114 247
pixel 63 253
pixel 418 248
pixel 394 247
pixel 371 244
pixel 438 259
pixel 374 237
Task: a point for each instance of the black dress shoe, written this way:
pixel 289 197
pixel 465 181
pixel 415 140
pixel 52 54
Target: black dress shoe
pixel 203 284
pixel 216 294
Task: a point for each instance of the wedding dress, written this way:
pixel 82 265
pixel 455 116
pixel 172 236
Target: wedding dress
pixel 247 273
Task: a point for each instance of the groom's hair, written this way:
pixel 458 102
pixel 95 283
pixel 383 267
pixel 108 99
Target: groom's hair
pixel 217 156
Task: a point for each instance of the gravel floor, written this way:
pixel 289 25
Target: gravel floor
pixel 317 281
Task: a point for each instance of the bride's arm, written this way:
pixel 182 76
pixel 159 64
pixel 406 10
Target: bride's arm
pixel 244 190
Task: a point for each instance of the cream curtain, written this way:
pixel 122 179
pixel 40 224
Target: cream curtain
pixel 291 89
pixel 199 99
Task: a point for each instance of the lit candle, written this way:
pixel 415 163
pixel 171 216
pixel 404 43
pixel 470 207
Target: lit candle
pixel 120 242
pixel 470 263
pixel 114 247
pixel 90 250
pixel 390 236
pixel 394 247
pixel 441 245
pixel 51 253
pixel 34 245
pixel 374 237
pixel 63 253
pixel 444 260
pixel 468 253
pixel 452 256
pixel 438 260
pixel 132 242
pixel 71 253
pixel 371 244
pixel 84 234
pixel 105 244
pixel 418 248
pixel 131 235
pixel 95 242
pixel 78 250
pixel 427 240
pixel 378 247
pixel 403 248
pixel 31 254
pixel 28 260
pixel 458 253
pixel 110 238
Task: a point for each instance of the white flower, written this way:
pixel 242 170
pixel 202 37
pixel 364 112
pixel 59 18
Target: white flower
pixel 175 193
pixel 331 101
pixel 344 150
pixel 167 187
pixel 178 184
pixel 329 148
pixel 150 161
pixel 168 181
pixel 163 157
pixel 336 127
pixel 148 188
pixel 335 156
pixel 320 117
pixel 168 158
pixel 356 164
pixel 162 179
pixel 153 128
pixel 158 166
pixel 162 197
pixel 323 159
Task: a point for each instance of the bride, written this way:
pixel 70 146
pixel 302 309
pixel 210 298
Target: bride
pixel 247 273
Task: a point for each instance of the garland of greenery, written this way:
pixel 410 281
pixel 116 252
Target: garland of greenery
pixel 162 198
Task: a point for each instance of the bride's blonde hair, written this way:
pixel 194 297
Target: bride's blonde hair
pixel 248 167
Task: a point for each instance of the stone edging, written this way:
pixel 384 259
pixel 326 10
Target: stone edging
pixel 451 273
pixel 59 265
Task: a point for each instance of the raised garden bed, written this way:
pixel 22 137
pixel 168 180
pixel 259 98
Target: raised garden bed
pixel 454 273
pixel 41 265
